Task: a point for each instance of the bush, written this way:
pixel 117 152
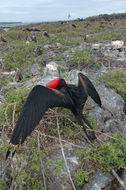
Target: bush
pixel 116 80
pixel 80 57
pixel 16 97
pixel 19 57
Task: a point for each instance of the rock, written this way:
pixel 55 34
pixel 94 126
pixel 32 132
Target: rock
pixel 100 181
pixel 118 43
pixel 111 100
pixel 18 76
pixel 33 70
pixel 73 76
pixel 113 126
pixel 27 42
pixel 60 181
pixel 51 69
pixel 58 45
pixel 47 46
pixel 11 73
pixel 50 72
pixel 38 51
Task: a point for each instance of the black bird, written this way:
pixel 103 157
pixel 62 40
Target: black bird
pixel 74 25
pixel 57 93
pixel 46 34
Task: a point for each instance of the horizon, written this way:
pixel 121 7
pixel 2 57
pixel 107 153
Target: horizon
pixel 9 22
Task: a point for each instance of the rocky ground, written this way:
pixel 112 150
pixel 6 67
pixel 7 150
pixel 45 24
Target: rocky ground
pixel 51 158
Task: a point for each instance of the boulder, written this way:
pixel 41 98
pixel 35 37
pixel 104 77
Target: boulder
pixel 100 180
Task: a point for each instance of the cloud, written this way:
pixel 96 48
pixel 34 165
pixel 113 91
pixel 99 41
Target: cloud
pixel 45 10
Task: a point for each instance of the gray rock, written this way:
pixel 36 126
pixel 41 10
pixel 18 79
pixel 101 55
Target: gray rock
pixel 111 100
pixel 51 69
pixel 33 70
pixel 73 77
pixel 60 181
pixel 100 181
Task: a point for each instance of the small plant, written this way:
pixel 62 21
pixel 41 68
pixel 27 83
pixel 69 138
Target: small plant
pixel 108 155
pixel 80 57
pixel 81 177
pixel 59 57
pixel 15 97
pixel 19 57
pixel 5 81
pixel 29 176
pixel 57 164
pixel 116 80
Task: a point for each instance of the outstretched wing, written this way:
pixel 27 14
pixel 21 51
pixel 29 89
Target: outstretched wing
pixel 87 88
pixel 38 101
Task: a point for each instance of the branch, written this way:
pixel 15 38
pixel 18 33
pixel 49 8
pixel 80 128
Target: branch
pixel 118 179
pixel 57 139
pixel 63 154
pixel 42 170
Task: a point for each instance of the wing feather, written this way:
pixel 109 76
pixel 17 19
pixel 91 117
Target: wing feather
pixel 87 88
pixel 37 102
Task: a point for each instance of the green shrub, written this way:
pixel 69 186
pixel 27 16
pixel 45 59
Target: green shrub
pixel 14 97
pixel 19 57
pixel 30 175
pixel 111 154
pixel 5 81
pixel 116 80
pixel 80 57
pixel 57 164
pixel 81 177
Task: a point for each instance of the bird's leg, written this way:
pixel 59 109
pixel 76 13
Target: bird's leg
pixel 80 121
pixel 88 125
pixel 88 139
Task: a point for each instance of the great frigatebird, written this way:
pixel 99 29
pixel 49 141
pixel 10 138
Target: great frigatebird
pixel 57 93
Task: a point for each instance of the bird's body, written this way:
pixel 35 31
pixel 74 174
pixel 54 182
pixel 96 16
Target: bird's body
pixel 57 93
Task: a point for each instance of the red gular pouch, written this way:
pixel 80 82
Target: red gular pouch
pixel 53 83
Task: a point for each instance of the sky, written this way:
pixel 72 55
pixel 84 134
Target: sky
pixel 54 10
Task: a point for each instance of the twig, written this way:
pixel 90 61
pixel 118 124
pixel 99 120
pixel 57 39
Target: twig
pixel 124 133
pixel 7 109
pixel 76 125
pixel 42 170
pixel 6 114
pixel 63 154
pixel 93 130
pixel 118 179
pixel 14 113
pixel 55 138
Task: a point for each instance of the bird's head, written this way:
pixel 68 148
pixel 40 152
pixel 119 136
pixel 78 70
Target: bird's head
pixel 56 83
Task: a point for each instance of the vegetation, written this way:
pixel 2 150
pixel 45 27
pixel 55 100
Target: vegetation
pixel 14 99
pixel 110 154
pixel 26 170
pixel 19 57
pixel 80 57
pixel 116 80
pixel 81 177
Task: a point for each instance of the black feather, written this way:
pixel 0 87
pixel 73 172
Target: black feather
pixel 41 98
pixel 86 86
